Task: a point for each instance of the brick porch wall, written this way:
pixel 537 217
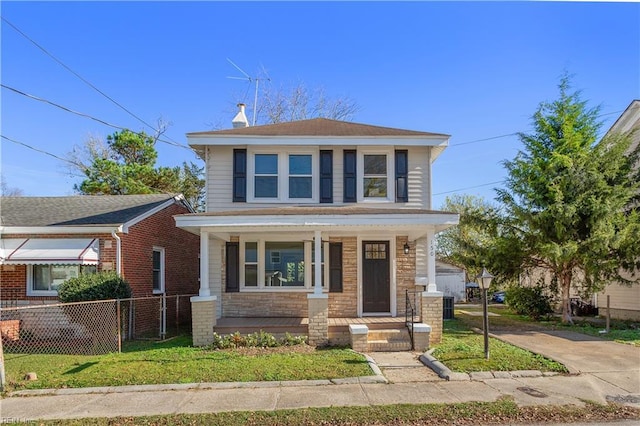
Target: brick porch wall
pixel 265 304
pixel 343 305
pixel 405 273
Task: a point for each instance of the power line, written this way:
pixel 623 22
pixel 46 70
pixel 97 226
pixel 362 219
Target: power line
pixel 80 77
pixel 66 160
pixel 470 187
pixel 81 114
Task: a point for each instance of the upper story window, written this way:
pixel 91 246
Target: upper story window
pixel 283 177
pixel 266 176
pixel 375 176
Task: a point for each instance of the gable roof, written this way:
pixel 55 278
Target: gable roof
pixel 318 127
pixel 79 210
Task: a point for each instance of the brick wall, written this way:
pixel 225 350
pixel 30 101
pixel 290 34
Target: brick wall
pixel 13 279
pixel 265 304
pixel 181 254
pixel 344 305
pixel 405 273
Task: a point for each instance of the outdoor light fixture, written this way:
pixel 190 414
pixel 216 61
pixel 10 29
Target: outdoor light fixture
pixel 484 281
pixel 406 247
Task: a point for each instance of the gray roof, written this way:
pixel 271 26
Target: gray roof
pixel 77 210
pixel 317 127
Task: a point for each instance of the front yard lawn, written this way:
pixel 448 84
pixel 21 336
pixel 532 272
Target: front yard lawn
pixel 176 361
pixel 462 350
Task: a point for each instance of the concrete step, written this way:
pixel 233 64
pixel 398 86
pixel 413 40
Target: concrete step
pixel 389 340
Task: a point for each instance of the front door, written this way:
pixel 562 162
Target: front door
pixel 376 297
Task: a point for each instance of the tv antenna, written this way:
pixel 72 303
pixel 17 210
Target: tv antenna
pixel 250 80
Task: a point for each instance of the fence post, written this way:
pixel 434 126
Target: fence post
pixel 2 375
pixel 119 323
pixel 163 318
pixel 177 314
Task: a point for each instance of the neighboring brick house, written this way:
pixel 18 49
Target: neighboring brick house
pixel 317 219
pixel 46 240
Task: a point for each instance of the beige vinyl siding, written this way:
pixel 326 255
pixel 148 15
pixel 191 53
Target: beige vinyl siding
pixel 220 180
pixel 622 297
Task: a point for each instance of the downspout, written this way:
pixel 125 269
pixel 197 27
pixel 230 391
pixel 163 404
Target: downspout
pixel 114 234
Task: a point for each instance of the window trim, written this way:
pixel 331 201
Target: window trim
pixel 161 250
pixel 283 176
pixel 30 277
pixel 391 173
pixel 261 287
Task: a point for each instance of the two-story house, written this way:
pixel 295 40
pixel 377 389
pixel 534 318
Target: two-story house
pixel 315 219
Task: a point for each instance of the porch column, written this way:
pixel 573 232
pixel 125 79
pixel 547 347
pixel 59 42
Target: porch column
pixel 431 303
pixel 318 302
pixel 205 291
pixel 431 261
pixel 317 241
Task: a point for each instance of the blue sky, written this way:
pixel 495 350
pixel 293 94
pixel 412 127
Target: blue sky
pixel 474 70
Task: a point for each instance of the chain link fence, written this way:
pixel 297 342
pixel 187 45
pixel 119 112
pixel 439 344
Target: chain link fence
pixel 92 328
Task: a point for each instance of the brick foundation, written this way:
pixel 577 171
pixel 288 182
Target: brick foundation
pixel 432 314
pixel 318 319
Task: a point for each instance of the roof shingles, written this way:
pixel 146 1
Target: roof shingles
pixel 77 210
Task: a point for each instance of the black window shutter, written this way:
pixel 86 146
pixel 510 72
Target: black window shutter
pixel 326 176
pixel 233 267
pixel 239 175
pixel 335 267
pixel 402 172
pixel 350 176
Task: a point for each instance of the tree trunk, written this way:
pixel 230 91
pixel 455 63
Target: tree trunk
pixel 565 278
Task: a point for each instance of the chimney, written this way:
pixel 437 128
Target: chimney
pixel 240 120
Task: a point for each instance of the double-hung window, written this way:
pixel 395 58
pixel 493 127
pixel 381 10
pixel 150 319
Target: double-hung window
pixel 375 176
pixel 266 176
pixel 283 177
pixel 157 269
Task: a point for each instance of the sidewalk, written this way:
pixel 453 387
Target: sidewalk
pixel 413 384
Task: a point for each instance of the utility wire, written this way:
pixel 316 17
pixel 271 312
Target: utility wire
pixel 80 77
pixel 66 160
pixel 470 187
pixel 86 115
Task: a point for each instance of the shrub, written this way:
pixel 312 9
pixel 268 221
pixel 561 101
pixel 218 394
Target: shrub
pixel 100 286
pixel 529 301
pixel 260 339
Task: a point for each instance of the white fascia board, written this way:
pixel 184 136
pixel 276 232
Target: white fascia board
pixel 148 213
pixel 227 140
pixel 48 230
pixel 230 222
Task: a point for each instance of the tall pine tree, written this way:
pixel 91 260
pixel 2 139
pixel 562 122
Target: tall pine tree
pixel 570 197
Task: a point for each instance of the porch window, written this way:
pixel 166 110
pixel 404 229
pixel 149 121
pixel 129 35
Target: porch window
pixel 44 280
pixel 251 264
pixel 284 266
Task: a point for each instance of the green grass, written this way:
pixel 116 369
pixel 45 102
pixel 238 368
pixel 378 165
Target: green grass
pixel 176 361
pixel 462 350
pixel 502 411
pixel 627 332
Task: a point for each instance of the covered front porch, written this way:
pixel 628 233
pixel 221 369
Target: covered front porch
pixel 329 269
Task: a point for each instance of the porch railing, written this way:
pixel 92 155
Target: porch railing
pixel 411 312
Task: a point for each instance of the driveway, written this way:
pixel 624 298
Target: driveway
pixel 610 361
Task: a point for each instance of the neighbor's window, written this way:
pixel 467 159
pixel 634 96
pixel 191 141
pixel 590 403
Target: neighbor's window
pixel 266 176
pixel 45 279
pixel 375 176
pixel 158 270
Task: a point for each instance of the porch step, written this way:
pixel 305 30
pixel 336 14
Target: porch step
pixel 389 340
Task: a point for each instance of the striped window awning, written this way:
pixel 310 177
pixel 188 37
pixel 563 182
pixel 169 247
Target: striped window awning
pixel 41 251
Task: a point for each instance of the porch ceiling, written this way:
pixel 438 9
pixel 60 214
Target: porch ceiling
pixel 330 220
